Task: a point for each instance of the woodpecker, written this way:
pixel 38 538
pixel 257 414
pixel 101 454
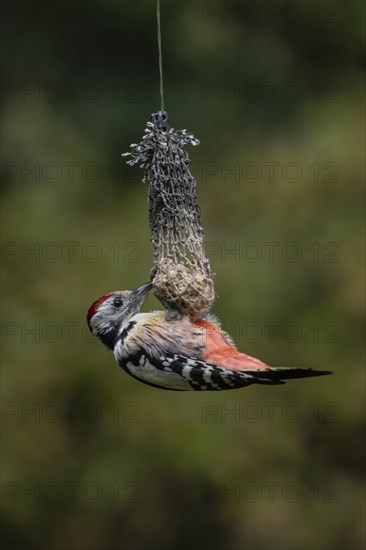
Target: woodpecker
pixel 172 352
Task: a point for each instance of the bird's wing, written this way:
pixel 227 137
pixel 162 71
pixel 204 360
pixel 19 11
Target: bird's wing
pixel 179 372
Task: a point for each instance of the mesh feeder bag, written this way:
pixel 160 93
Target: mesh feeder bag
pixel 182 277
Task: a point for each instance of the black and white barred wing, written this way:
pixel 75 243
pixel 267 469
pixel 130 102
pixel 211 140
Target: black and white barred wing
pixel 178 372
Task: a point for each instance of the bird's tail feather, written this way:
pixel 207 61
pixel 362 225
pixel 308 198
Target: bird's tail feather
pixel 278 375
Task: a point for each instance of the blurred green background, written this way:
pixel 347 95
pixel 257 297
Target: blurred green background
pixel 92 459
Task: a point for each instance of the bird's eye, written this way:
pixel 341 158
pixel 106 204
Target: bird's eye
pixel 117 302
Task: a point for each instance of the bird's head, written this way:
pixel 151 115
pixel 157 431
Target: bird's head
pixel 107 315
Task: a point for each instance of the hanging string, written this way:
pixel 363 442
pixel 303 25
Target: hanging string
pixel 160 56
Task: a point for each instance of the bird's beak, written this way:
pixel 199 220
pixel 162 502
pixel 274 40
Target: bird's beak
pixel 142 290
